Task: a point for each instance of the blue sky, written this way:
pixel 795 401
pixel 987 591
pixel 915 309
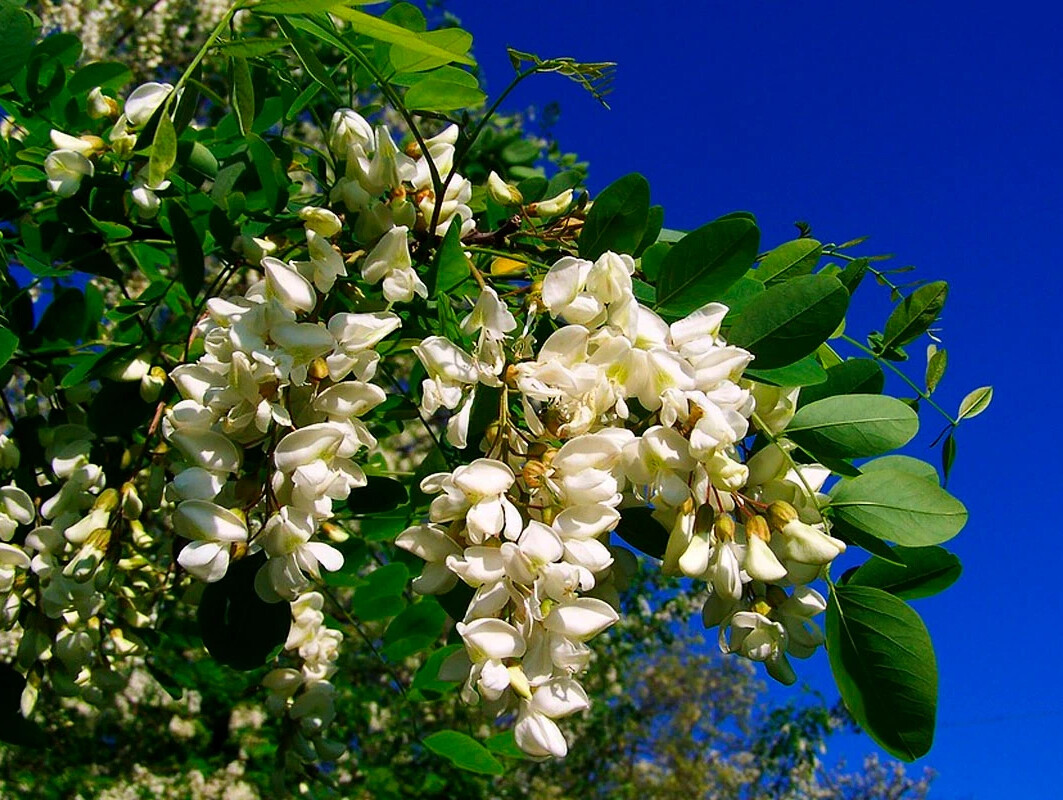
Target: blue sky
pixel 936 128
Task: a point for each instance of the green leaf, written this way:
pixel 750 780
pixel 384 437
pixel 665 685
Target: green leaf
pixel 8 345
pixel 191 265
pixel 853 274
pixel 163 150
pixel 110 74
pixel 789 260
pixel 654 221
pixel 378 495
pixel 902 463
pixel 238 627
pixel 883 661
pixel 251 47
pixel 618 218
pixel 384 31
pixel 110 230
pixel 948 455
pixel 416 628
pixel 806 372
pixel 442 94
pixel 463 752
pixel 898 507
pixel 270 171
pixel 454 41
pixel 381 594
pixel 16 40
pixel 853 425
pixel 975 403
pixel 935 367
pixel 243 94
pixel 914 315
pixel 854 376
pixel 702 265
pixel 450 266
pixel 652 259
pixel 857 537
pixel 789 321
pixel 926 571
pixel 639 529
pixel 504 744
pixel 427 677
pixel 311 63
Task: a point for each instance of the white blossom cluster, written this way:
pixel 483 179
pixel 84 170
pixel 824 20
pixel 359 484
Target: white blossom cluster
pixel 60 568
pixel 616 409
pixel 306 695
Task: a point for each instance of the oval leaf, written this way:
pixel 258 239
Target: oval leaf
pixel 789 321
pixel 854 376
pixel 914 315
pixel 883 662
pixel 975 403
pixel 853 426
pixel 704 264
pixel 163 149
pixel 898 507
pixel 925 572
pixel 789 260
pixel 463 752
pixel 617 220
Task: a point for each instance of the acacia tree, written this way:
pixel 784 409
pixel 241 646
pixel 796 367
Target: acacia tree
pixel 298 381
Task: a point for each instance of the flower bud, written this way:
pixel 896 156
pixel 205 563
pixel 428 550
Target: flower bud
pixel 132 505
pixel 757 527
pixel 507 266
pixel 519 681
pixel 151 384
pixel 100 106
pixel 321 221
pixel 503 193
pixel 552 206
pixel 780 514
pixel 724 528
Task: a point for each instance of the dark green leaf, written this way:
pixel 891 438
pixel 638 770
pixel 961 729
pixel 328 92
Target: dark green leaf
pixel 14 728
pixel 898 507
pixel 450 266
pixel 948 455
pixel 305 51
pixel 883 662
pixel 239 628
pixel 243 94
pixel 926 571
pixel 8 345
pixel 917 312
pixel 853 425
pixel 504 744
pixel 854 376
pixel 381 594
pixel 654 221
pixel 250 48
pixel 789 260
pixel 853 274
pixel 463 752
pixel 16 40
pixel 652 259
pixel 617 220
pixel 416 628
pixel 806 372
pixel 789 321
pixel 702 265
pixel 639 529
pixel 190 263
pixel 111 74
pixel 379 494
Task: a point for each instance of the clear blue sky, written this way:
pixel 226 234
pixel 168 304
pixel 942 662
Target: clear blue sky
pixel 937 128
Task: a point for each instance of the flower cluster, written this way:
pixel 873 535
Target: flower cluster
pixel 306 695
pixel 618 409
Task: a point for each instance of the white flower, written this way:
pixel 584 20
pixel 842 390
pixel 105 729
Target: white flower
pixel 213 529
pixel 431 543
pixel 477 493
pixel 580 619
pixel 390 261
pixel 143 102
pixel 501 192
pixel 348 128
pixel 660 462
pixel 65 169
pixel 759 639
